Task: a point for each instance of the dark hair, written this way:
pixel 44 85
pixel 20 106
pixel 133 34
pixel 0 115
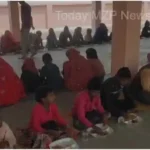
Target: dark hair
pixel 47 58
pixel 66 28
pixel 147 23
pixel 124 72
pixel 95 84
pixel 42 92
pixel 89 30
pixel 91 53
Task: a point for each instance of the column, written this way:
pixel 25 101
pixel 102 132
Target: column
pixel 96 14
pixel 49 15
pixel 13 9
pixel 126 35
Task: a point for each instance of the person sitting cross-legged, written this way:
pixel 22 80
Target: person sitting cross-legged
pixel 45 116
pixel 50 74
pixel 116 96
pixel 88 110
pixel 52 41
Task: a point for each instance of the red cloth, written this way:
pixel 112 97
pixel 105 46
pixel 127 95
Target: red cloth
pixel 8 42
pixel 29 65
pixel 97 67
pixel 77 71
pixel 83 104
pixel 11 87
pixel 40 116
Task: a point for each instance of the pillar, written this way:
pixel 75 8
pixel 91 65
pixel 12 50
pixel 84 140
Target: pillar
pixel 49 15
pixel 126 35
pixel 13 9
pixel 96 14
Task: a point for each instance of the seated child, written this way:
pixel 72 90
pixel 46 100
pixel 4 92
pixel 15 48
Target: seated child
pixel 88 110
pixel 30 76
pixel 50 73
pixel 78 37
pixel 88 37
pixel 51 40
pixel 36 42
pixel 7 138
pixel 65 38
pixel 45 116
pixel 116 96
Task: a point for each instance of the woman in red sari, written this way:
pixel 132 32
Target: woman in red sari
pixel 11 88
pixel 77 71
pixel 9 43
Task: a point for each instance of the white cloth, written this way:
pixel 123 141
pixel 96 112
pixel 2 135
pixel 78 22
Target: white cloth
pixel 7 134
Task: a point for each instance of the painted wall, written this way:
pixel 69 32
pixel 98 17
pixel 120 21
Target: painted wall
pixel 56 14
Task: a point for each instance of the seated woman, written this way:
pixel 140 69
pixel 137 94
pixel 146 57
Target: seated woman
pixel 140 85
pixel 146 30
pixel 96 64
pixel 115 93
pixel 11 87
pixel 87 109
pixel 64 37
pixel 77 71
pixel 50 73
pixel 78 37
pixel 8 43
pixel 45 116
pixel 101 34
pixel 136 86
pixel 7 138
pixel 51 40
pixel 88 37
pixel 29 76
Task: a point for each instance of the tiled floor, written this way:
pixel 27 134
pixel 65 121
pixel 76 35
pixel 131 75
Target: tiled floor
pixel 124 136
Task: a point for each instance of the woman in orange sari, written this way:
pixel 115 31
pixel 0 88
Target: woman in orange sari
pixel 77 71
pixel 11 88
pixel 9 43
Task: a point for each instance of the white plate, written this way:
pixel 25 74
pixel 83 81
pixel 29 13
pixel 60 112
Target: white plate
pixel 66 143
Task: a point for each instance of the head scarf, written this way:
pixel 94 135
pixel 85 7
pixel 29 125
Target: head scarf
pixel 77 71
pixel 29 65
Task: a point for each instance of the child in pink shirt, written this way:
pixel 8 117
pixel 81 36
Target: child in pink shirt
pixel 88 110
pixel 45 115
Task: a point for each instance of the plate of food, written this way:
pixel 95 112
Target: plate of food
pixel 65 143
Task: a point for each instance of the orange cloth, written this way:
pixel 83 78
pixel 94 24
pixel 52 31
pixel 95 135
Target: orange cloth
pixel 77 71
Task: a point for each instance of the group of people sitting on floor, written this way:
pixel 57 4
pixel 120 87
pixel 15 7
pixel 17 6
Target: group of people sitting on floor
pixel 9 44
pixel 97 97
pixel 66 39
